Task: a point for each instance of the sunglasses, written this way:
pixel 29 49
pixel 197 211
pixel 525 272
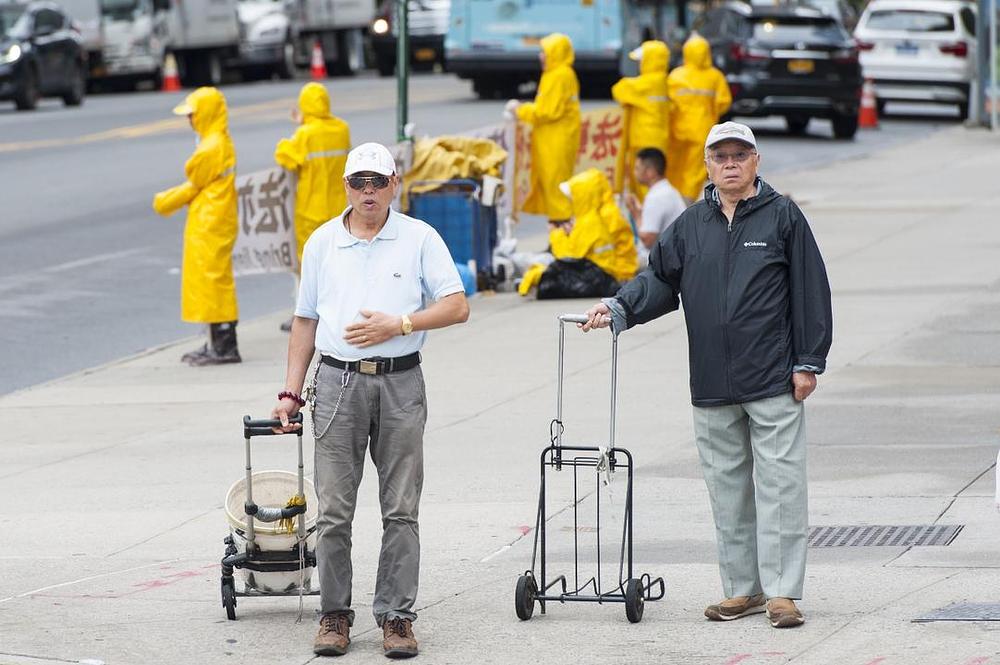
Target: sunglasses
pixel 360 182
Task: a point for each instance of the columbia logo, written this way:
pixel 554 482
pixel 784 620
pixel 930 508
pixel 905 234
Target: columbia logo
pixel 752 243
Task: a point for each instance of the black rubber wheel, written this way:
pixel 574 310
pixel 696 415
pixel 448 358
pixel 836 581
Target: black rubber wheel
pixel 963 111
pixel 797 126
pixel 635 600
pixel 229 598
pixel 77 88
pixel 286 68
pixel 880 107
pixel 27 95
pixel 385 63
pixel 524 596
pixel 845 126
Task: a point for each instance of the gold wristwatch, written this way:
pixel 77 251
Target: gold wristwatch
pixel 407 325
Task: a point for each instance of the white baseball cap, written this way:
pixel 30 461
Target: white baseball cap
pixel 373 157
pixel 727 131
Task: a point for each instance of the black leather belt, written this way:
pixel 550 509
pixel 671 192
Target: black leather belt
pixel 375 365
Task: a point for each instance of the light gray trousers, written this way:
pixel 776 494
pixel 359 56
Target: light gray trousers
pixel 753 457
pixel 384 415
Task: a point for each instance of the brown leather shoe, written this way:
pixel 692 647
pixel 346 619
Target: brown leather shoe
pixel 398 640
pixel 333 637
pixel 734 608
pixel 783 613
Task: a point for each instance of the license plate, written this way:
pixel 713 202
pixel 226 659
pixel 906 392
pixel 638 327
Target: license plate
pixel 907 49
pixel 423 54
pixel 801 66
pixel 531 41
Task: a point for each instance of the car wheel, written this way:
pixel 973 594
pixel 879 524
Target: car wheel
pixel 385 62
pixel 963 111
pixel 845 126
pixel 350 53
pixel 78 85
pixel 286 68
pixel 26 98
pixel 797 126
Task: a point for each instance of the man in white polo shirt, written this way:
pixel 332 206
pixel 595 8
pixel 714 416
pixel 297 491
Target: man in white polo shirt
pixel 662 205
pixel 373 281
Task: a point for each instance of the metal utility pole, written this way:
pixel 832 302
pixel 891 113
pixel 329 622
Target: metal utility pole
pixel 402 67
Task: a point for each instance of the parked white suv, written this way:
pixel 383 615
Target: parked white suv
pixel 919 50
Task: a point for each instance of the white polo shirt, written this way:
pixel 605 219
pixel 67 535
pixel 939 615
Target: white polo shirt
pixel 401 270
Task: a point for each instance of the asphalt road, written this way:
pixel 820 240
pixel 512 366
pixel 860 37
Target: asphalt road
pixel 89 274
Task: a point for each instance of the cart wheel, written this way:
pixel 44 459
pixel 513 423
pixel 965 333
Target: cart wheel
pixel 229 598
pixel 524 596
pixel 635 600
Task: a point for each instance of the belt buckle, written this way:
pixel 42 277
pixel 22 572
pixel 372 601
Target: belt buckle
pixel 368 366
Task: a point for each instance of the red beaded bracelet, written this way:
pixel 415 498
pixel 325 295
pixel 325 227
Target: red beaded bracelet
pixel 293 396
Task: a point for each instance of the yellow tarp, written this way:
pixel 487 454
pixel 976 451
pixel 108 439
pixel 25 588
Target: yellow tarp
pixel 449 157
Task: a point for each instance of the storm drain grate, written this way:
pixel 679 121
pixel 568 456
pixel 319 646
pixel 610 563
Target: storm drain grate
pixel 963 612
pixel 921 535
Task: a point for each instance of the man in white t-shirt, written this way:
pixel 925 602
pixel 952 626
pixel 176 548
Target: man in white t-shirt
pixel 663 203
pixel 373 281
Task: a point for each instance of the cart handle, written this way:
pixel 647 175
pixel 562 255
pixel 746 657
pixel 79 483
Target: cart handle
pixel 264 427
pixel 578 318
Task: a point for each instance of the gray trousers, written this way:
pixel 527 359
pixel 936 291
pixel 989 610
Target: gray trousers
pixel 384 414
pixel 753 457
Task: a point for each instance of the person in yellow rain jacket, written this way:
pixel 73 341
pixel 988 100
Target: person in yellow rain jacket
pixel 598 232
pixel 316 152
pixel 644 100
pixel 208 292
pixel 699 95
pixel 554 117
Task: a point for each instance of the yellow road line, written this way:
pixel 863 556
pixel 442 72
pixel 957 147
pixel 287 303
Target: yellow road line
pixel 260 112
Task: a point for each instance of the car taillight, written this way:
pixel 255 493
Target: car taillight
pixel 845 56
pixel 741 53
pixel 958 49
pixel 864 46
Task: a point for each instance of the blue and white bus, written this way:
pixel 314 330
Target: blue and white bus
pixel 495 42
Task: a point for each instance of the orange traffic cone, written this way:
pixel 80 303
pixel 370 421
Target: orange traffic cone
pixel 317 67
pixel 171 79
pixel 868 115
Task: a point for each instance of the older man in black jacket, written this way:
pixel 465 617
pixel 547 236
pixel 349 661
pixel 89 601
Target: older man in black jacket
pixel 757 305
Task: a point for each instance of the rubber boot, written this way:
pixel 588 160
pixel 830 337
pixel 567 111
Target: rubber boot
pixel 223 349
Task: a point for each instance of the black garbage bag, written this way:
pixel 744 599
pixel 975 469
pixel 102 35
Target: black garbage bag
pixel 575 278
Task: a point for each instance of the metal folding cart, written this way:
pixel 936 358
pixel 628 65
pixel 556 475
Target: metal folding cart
pixel 602 463
pixel 297 558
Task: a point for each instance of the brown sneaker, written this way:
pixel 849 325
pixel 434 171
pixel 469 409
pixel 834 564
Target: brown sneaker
pixel 783 613
pixel 734 608
pixel 398 640
pixel 333 637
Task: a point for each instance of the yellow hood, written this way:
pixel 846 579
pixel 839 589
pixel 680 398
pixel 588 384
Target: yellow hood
pixel 314 101
pixel 697 53
pixel 207 108
pixel 586 192
pixel 558 50
pixel 655 58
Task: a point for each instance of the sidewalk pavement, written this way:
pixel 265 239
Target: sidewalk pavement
pixel 112 480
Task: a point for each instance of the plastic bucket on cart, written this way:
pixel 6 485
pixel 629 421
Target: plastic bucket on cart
pixel 272 489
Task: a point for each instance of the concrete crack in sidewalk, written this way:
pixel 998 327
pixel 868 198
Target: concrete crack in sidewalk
pixel 859 615
pixel 165 531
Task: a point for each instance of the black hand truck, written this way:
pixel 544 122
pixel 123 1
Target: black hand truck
pixel 605 462
pixel 295 559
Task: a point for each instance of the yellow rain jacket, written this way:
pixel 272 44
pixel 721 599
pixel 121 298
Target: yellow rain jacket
pixel 317 152
pixel 646 109
pixel 700 95
pixel 208 292
pixel 554 117
pixel 626 262
pixel 449 157
pixel 600 233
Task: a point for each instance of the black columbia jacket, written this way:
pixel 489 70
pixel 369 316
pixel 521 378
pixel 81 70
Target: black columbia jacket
pixel 755 292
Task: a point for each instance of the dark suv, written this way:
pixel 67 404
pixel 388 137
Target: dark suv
pixel 787 60
pixel 41 54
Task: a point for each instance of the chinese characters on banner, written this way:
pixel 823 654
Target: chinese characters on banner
pixel 265 242
pixel 600 139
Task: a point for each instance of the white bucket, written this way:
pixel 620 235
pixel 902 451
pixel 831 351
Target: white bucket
pixel 271 489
